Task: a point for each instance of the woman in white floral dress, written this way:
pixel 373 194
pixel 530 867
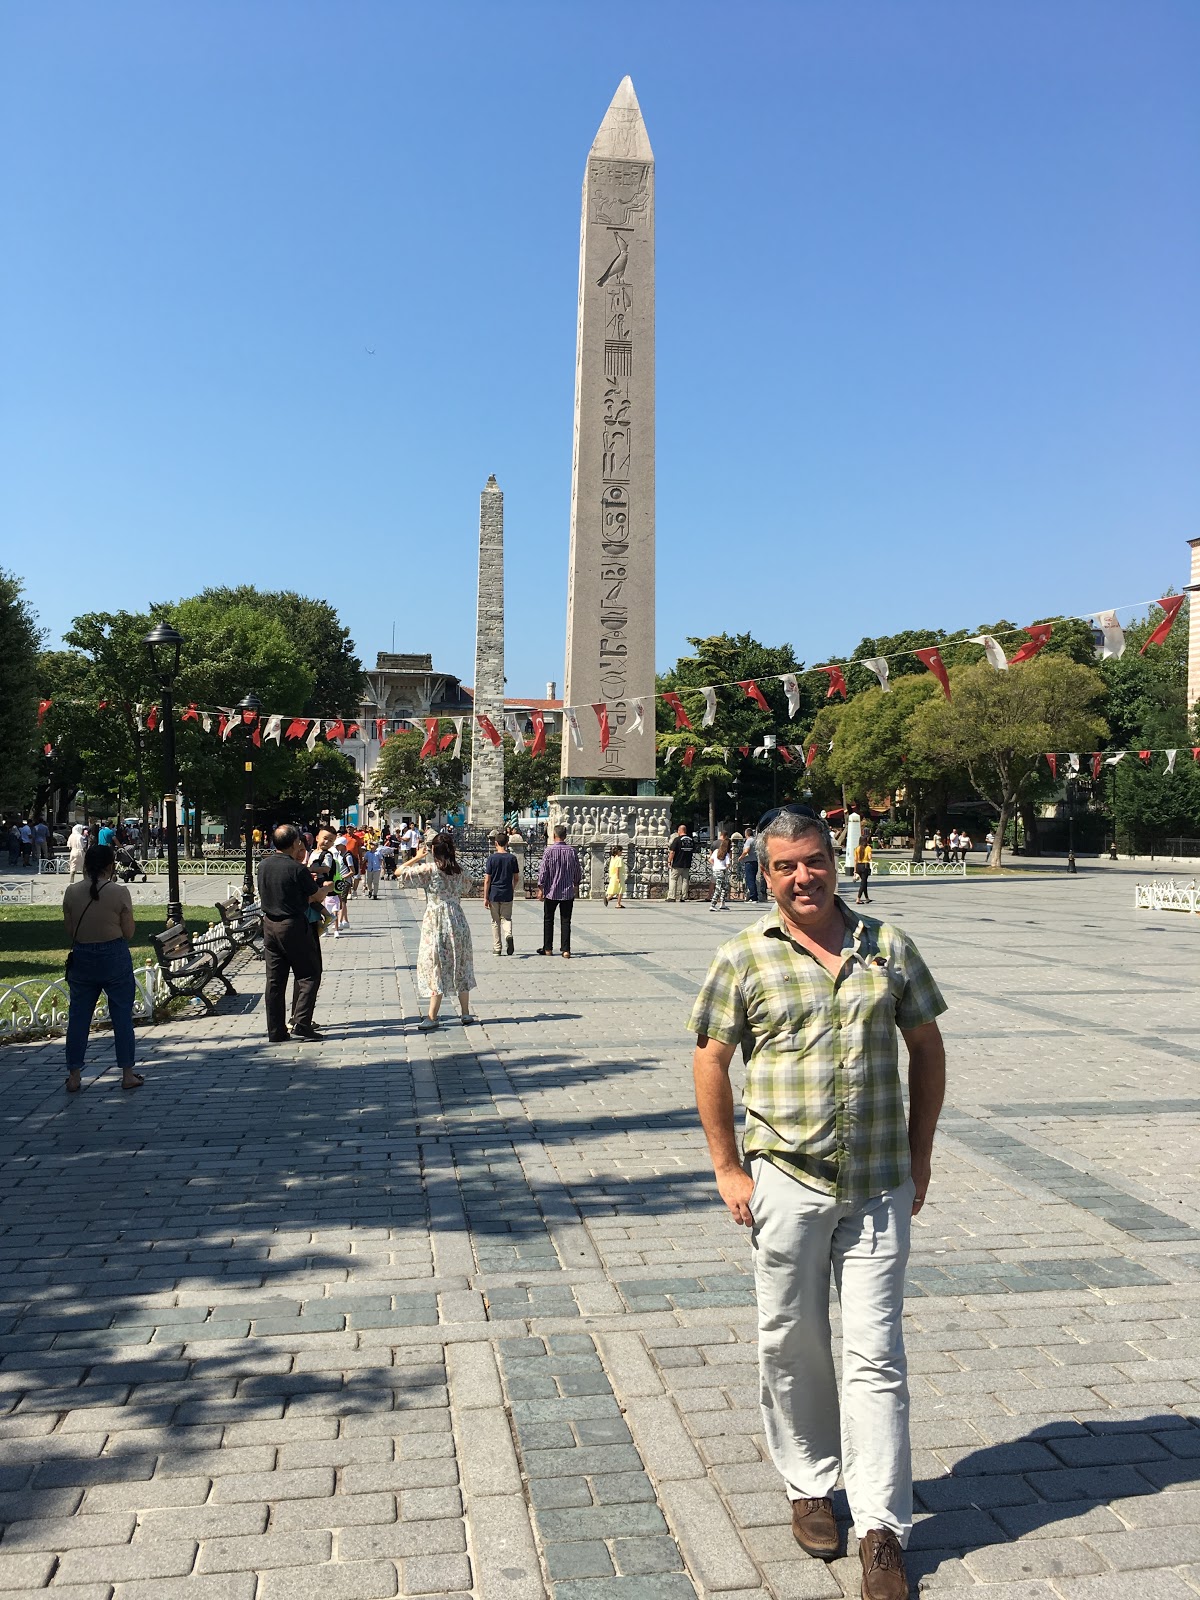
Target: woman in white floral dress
pixel 445 962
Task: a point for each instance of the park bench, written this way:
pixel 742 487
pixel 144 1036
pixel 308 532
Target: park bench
pixel 187 970
pixel 242 924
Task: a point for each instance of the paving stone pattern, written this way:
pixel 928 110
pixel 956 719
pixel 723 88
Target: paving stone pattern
pixel 408 1314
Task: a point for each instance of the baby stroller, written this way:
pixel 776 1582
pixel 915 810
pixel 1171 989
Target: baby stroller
pixel 128 865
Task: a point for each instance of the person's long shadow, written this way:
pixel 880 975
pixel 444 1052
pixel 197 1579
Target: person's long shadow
pixel 1059 1475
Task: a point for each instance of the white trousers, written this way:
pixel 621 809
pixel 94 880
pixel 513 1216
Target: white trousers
pixel 501 914
pixel 799 1235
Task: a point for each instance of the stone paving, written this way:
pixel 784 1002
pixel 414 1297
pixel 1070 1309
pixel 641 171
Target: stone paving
pixel 429 1314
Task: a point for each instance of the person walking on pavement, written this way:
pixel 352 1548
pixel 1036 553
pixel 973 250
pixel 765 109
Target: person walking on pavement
pixel 99 962
pixel 862 869
pixel 445 959
pixel 373 866
pixel 614 888
pixel 722 866
pixel 290 896
pixel 679 862
pixel 558 882
pixel 748 861
pixel 830 1179
pixel 499 881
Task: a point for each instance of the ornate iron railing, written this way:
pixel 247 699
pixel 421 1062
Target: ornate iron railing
pixel 1168 896
pixel 926 869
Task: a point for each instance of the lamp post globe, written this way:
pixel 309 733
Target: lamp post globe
pixel 249 706
pixel 163 645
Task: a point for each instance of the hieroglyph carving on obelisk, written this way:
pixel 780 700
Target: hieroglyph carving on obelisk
pixel 486 807
pixel 610 593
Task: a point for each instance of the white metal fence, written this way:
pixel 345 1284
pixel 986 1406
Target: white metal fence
pixel 1167 896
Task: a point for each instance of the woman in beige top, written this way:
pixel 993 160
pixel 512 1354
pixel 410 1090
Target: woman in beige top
pixel 99 918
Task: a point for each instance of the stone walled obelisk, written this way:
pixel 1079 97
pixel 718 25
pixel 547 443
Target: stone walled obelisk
pixel 486 806
pixel 610 593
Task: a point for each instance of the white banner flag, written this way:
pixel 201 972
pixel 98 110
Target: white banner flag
pixel 572 722
pixel 792 689
pixel 458 728
pixel 991 650
pixel 314 733
pixel 233 719
pixel 638 724
pixel 710 708
pixel 1107 635
pixel 1171 754
pixel 513 726
pixel 879 667
pixel 667 757
pixel 1111 761
pixel 273 728
pixel 206 721
pixel 1073 761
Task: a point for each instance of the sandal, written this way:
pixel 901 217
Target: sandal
pixel 135 1082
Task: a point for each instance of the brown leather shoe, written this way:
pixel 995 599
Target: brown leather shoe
pixel 814 1529
pixel 884 1577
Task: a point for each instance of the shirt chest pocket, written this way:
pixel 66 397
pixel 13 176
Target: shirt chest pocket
pixel 781 1009
pixel 871 990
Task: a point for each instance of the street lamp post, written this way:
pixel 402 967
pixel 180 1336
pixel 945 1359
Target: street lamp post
pixel 1071 867
pixel 253 704
pixel 163 645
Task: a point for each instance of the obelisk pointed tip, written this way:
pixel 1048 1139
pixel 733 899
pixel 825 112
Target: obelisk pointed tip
pixel 622 135
pixel 491 483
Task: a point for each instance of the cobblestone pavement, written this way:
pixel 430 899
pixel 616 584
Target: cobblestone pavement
pixel 422 1314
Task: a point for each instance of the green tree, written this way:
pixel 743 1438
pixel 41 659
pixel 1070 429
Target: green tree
pixel 114 673
pixel 318 781
pixel 321 643
pixel 529 779
pixel 402 781
pixel 20 640
pixel 874 750
pixel 999 725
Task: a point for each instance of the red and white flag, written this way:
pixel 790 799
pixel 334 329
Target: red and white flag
pixel 274 728
pixel 429 747
pixel 792 689
pixel 1052 763
pixel 932 657
pixel 538 747
pixel 682 720
pixel 753 692
pixel 1170 606
pixel 837 684
pixel 296 727
pixel 601 710
pixel 1039 634
pixel 488 728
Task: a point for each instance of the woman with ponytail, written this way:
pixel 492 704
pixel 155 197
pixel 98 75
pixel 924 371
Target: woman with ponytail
pixel 99 918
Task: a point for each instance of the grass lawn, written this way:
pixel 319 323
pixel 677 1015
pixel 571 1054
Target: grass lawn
pixel 33 940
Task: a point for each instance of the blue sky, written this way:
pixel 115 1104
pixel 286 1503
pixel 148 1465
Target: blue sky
pixel 927 332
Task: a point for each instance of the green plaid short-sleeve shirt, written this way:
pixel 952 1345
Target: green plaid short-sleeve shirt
pixel 822 1095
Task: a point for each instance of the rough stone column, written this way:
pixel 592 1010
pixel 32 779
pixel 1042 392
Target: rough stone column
pixel 610 594
pixel 1193 660
pixel 486 806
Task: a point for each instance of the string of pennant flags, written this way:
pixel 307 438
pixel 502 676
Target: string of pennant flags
pixel 277 727
pixel 1099 759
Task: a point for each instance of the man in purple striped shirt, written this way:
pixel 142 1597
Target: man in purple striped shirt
pixel 558 879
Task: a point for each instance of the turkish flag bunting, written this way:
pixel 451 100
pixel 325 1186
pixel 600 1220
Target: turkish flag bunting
pixel 43 707
pixel 689 755
pixel 837 684
pixel 222 720
pixel 335 730
pixel 601 710
pixel 745 749
pixel 1144 756
pixel 488 728
pixel 810 755
pixel 191 714
pixel 152 718
pixel 429 748
pixel 1196 752
pixel 380 728
pixel 753 692
pixel 538 747
pixel 47 750
pixel 1039 633
pixel 785 753
pixel 297 728
pixel 256 736
pixel 933 660
pixel 248 717
pixel 682 720
pixel 1097 763
pixel 445 741
pixel 1052 763
pixel 1170 607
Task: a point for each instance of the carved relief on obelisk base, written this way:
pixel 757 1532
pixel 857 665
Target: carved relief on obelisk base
pixel 610 594
pixel 486 806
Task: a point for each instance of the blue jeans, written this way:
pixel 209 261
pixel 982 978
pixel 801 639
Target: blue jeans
pixel 106 967
pixel 750 872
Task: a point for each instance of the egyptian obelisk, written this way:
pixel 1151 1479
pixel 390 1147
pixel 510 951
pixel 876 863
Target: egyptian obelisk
pixel 610 592
pixel 486 806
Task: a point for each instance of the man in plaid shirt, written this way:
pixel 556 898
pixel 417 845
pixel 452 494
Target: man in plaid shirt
pixel 831 1176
